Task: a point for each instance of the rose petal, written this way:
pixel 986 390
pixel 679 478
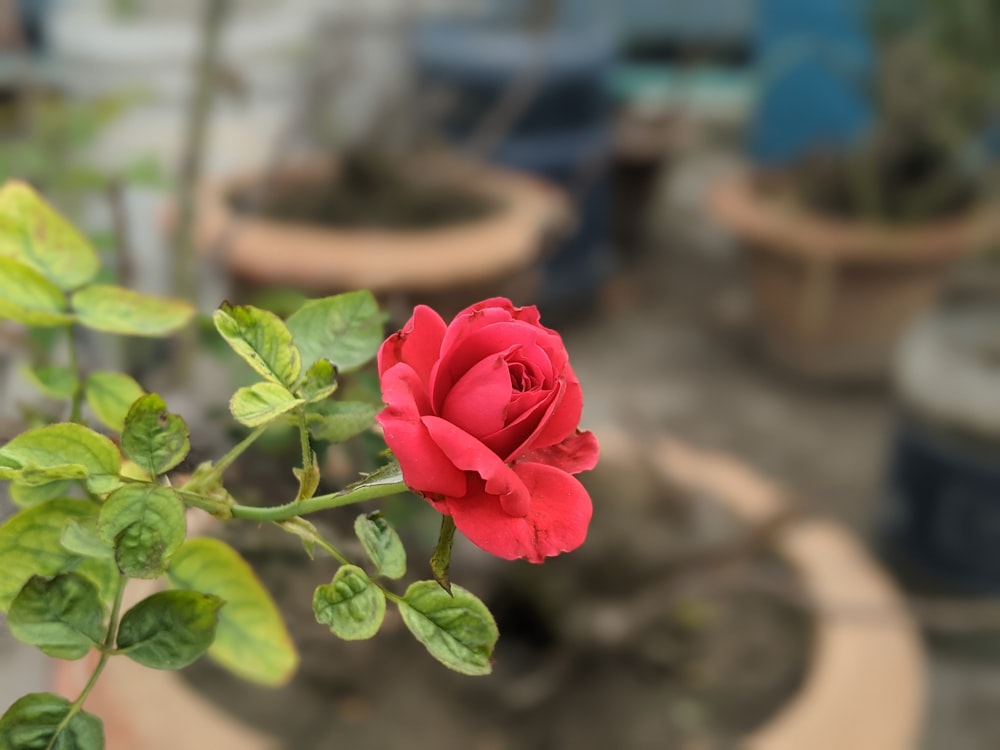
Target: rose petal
pixel 478 401
pixel 562 417
pixel 557 521
pixel 470 454
pixel 579 452
pixel 418 343
pixel 426 468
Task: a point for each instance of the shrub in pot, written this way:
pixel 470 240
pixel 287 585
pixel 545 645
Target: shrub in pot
pixel 846 248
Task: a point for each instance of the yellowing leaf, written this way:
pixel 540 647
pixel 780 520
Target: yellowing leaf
pixel 35 234
pixel 251 639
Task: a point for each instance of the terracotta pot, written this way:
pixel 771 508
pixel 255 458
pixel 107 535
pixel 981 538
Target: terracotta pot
pixel 864 689
pixel 832 296
pixel 484 253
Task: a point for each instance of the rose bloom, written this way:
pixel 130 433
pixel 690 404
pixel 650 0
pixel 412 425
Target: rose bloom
pixel 482 416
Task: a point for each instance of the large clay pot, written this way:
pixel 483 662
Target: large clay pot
pixel 493 253
pixel 830 296
pixel 866 647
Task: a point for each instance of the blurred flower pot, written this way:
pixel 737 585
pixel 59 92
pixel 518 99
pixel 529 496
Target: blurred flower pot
pixel 863 686
pixel 831 296
pixel 944 476
pixel 447 264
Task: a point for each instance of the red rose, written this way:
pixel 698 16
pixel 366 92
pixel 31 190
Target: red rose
pixel 482 415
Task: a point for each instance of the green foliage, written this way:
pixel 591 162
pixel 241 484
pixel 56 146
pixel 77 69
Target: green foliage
pixel 110 395
pixel 337 421
pixel 66 444
pixel 261 403
pixel 114 309
pixel 252 640
pixel 36 235
pixel 27 297
pixel 145 525
pixel 262 340
pixel 96 512
pixel 170 629
pixel 382 544
pixel 33 721
pixel 345 329
pixel 53 381
pixel 457 629
pixel 152 437
pixel 319 382
pixel 351 605
pixel 30 545
pixel 63 616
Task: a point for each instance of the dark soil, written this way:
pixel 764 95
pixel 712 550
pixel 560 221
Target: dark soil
pixel 368 190
pixel 899 181
pixel 628 643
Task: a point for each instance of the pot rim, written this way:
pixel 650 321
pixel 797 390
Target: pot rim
pixel 763 218
pixel 867 645
pixel 503 242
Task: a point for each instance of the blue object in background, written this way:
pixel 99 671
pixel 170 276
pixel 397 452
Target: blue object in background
pixel 813 59
pixel 946 510
pixel 563 132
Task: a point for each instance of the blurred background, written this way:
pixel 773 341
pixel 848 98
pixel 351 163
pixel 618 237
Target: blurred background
pixel 768 230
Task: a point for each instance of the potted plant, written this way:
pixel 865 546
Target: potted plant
pixel 845 248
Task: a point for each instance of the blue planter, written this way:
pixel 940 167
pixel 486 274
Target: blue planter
pixel 563 129
pixel 813 59
pixel 945 523
pixel 476 65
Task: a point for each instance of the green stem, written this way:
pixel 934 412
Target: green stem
pixel 358 494
pixel 220 466
pixel 75 413
pixel 107 649
pixel 342 559
pixel 307 455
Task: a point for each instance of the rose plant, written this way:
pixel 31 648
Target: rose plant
pixel 481 417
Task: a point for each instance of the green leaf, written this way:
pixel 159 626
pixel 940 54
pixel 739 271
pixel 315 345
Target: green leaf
pixel 351 605
pixel 81 538
pixel 251 640
pixel 345 329
pixel 62 616
pixel 27 297
pixel 388 474
pixel 31 475
pixel 261 403
pixel 24 496
pixel 54 381
pixel 457 629
pixel 382 544
pixel 30 544
pixel 152 437
pixel 262 340
pixel 320 381
pixel 110 395
pixel 169 629
pixel 114 309
pixel 66 443
pixel 145 524
pixel 32 722
pixel 337 421
pixel 34 233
